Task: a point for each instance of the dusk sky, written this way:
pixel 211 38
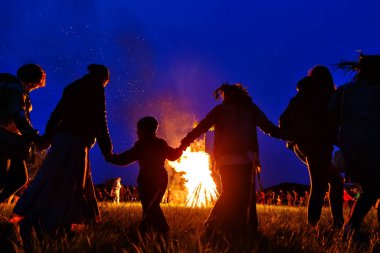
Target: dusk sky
pixel 167 57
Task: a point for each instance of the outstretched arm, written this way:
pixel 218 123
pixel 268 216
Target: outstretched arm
pixel 103 136
pixel 267 126
pixel 124 158
pixel 201 128
pixel 174 153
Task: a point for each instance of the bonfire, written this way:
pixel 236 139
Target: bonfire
pixel 195 165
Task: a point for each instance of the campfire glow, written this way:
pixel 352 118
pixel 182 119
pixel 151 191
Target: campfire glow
pixel 199 183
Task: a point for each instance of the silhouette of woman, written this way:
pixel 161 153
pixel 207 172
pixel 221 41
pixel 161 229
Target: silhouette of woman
pixel 236 150
pixel 307 120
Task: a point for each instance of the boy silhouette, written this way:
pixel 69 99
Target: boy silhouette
pixel 151 153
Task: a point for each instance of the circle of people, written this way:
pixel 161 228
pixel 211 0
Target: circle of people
pixel 318 117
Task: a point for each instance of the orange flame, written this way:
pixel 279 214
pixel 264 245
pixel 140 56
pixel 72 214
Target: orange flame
pixel 201 187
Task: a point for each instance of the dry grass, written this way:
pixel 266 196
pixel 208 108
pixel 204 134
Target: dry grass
pixel 282 229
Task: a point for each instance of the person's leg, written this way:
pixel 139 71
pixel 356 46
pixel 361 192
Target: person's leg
pixel 318 170
pixel 145 200
pixel 231 210
pixel 16 178
pixel 216 218
pixel 151 193
pixel 156 216
pixel 253 222
pixel 362 206
pixel 336 197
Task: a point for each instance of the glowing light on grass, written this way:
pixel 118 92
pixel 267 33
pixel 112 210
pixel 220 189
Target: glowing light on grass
pixel 199 183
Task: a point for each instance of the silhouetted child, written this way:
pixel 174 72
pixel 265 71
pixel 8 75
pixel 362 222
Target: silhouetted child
pixel 151 153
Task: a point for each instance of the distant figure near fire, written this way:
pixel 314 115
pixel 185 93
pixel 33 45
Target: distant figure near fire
pixel 116 187
pixel 236 154
pixel 151 153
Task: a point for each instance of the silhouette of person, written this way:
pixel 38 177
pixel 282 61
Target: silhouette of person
pixel 151 153
pixel 356 108
pixel 296 198
pixel 306 118
pixel 62 193
pixel 116 187
pixel 15 106
pixel 236 155
pixel 289 198
pixel 128 194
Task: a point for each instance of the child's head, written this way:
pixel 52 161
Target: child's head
pixel 147 126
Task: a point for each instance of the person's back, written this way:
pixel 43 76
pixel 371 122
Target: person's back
pixel 149 150
pixel 356 106
pixel 360 135
pixel 235 128
pixel 151 153
pixel 8 83
pixel 81 111
pixel 235 121
pixel 306 116
pixel 83 108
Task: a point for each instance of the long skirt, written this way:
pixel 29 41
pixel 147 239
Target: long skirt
pixel 62 193
pixel 234 213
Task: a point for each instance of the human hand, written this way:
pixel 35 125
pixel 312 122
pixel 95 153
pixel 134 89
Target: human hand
pixel 185 142
pixel 183 147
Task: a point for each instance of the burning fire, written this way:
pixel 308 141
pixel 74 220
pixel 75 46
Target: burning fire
pixel 198 181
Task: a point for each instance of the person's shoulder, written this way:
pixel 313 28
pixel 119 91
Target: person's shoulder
pixel 9 83
pixel 218 107
pixel 6 77
pixel 14 85
pixel 346 86
pixel 71 86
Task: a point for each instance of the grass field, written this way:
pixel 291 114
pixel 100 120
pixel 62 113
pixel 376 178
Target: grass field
pixel 282 229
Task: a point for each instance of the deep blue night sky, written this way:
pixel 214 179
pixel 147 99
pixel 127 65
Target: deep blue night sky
pixel 167 57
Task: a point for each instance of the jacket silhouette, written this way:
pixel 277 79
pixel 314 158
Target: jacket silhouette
pixel 307 119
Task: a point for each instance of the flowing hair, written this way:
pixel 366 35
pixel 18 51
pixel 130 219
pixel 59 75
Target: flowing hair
pixel 236 90
pixel 367 67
